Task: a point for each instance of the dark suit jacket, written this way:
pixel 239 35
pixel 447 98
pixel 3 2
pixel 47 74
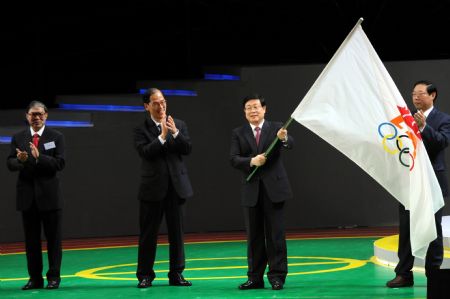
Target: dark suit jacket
pixel 162 162
pixel 272 173
pixel 38 180
pixel 436 137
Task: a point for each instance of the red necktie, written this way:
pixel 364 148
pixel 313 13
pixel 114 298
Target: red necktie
pixel 36 139
pixel 258 134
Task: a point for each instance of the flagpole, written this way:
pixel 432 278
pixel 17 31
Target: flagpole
pixel 270 148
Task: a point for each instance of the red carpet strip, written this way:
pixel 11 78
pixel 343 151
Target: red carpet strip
pixel 18 247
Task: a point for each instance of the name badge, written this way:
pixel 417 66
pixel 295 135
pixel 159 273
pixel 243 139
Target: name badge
pixel 49 145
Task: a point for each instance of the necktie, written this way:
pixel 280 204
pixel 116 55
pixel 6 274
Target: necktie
pixel 159 128
pixel 36 139
pixel 258 134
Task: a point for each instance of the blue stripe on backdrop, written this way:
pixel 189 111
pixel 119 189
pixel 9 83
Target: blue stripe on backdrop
pixel 110 108
pixel 69 123
pixel 5 139
pixel 222 77
pixel 55 123
pixel 174 92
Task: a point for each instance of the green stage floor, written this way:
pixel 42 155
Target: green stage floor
pixel 318 268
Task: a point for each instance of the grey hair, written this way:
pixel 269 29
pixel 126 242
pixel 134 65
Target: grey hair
pixel 37 104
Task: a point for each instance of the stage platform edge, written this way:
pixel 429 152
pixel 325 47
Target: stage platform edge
pixel 385 249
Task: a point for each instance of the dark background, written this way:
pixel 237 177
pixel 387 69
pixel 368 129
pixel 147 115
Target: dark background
pixel 102 174
pixel 278 48
pixel 76 47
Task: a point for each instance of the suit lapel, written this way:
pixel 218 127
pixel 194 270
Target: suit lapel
pixel 250 137
pixel 25 142
pixel 151 126
pixel 264 139
pixel 43 140
pixel 432 117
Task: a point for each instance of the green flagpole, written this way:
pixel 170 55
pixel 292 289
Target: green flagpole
pixel 270 148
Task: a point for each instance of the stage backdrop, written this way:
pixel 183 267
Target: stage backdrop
pixel 101 178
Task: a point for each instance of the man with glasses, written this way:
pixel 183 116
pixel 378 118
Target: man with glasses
pixel 161 142
pixel 37 153
pixel 264 195
pixel 434 127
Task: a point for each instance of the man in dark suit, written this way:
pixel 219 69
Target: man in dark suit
pixel 38 154
pixel 434 126
pixel 264 195
pixel 161 142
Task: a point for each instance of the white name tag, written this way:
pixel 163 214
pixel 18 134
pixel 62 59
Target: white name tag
pixel 49 145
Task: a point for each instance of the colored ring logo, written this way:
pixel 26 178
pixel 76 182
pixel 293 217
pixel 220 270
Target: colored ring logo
pixel 389 132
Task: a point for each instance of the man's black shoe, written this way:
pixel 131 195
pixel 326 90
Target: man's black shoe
pixel 277 285
pixel 144 283
pixel 179 281
pixel 250 284
pixel 33 284
pixel 53 284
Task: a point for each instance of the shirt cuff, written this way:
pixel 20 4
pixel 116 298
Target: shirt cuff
pixel 161 140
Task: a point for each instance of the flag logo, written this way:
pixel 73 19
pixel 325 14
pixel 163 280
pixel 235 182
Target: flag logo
pixel 400 136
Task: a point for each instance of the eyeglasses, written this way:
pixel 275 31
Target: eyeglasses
pixel 158 104
pixel 419 94
pixel 250 108
pixel 36 114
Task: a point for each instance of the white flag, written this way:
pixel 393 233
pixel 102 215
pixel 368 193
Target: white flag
pixel 355 106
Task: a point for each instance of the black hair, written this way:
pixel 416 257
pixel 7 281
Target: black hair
pixel 151 91
pixel 254 96
pixel 430 87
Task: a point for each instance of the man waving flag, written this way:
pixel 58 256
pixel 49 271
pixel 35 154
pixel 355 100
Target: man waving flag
pixel 355 106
